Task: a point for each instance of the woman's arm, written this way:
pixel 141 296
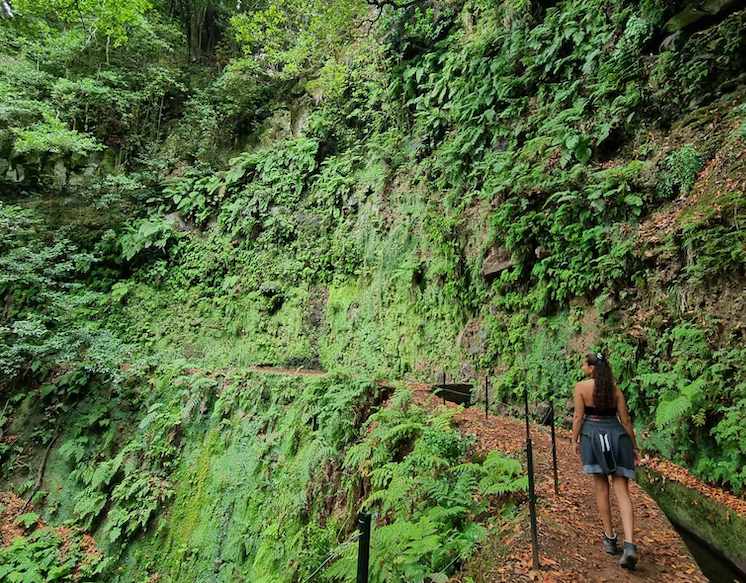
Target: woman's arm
pixel 624 417
pixel 577 419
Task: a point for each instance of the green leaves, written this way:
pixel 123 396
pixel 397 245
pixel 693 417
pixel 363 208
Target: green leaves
pixel 107 17
pixel 46 556
pixel 635 201
pixel 52 137
pixel 674 410
pixel 294 36
pixel 502 475
pixel 40 275
pixel 429 495
pixel 27 520
pixel 88 506
pixel 119 291
pixel 679 171
pixel 79 78
pixel 358 239
pixel 147 234
pixel 687 75
pixel 580 147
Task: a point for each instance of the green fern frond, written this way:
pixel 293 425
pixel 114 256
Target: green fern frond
pixel 671 411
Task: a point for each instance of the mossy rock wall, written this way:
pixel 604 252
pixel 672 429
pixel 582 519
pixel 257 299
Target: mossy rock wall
pixel 720 527
pixel 256 491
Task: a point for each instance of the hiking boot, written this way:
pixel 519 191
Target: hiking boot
pixel 610 545
pixel 629 556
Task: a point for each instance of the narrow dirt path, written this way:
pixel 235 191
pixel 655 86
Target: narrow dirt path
pixel 288 372
pixel 569 528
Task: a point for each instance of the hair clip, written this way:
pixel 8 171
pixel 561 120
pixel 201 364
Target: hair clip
pixel 599 356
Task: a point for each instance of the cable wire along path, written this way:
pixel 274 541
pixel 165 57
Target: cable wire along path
pixel 568 528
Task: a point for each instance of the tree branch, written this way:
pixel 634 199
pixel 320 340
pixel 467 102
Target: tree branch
pixel 82 20
pixel 42 467
pixel 396 4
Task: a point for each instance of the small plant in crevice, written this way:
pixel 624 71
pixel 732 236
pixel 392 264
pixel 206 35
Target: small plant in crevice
pixel 679 172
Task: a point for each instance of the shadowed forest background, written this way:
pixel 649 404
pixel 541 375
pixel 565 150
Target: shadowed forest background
pixel 380 189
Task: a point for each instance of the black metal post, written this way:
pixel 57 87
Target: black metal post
pixel 486 397
pixel 363 552
pixel 531 490
pixel 554 449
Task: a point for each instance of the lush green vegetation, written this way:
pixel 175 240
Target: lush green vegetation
pixel 191 188
pixel 263 478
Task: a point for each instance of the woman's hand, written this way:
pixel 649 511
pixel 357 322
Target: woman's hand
pixel 577 448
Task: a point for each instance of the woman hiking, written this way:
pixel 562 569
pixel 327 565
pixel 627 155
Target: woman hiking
pixel 605 440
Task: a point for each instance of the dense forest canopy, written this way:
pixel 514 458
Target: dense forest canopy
pixel 379 188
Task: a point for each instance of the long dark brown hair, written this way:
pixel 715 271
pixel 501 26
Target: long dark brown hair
pixel 603 381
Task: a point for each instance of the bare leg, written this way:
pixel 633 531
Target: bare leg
pixel 601 489
pixel 621 490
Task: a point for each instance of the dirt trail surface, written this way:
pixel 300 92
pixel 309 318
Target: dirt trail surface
pixel 569 527
pixel 289 372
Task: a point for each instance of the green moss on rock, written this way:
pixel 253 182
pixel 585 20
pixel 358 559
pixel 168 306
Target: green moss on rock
pixel 721 528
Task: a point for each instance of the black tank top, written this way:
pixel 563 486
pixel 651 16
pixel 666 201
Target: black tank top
pixel 600 411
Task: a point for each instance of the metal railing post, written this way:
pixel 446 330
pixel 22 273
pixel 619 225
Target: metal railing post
pixel 531 490
pixel 554 449
pixel 363 553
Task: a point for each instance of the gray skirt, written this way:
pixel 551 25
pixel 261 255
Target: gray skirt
pixel 605 448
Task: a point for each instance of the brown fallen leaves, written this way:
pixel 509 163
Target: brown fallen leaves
pixel 569 527
pixel 671 471
pixel 11 506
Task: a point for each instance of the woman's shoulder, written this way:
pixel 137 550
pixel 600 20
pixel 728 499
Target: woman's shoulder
pixel 584 385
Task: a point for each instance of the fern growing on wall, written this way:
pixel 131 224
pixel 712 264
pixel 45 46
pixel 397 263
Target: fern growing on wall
pixel 425 492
